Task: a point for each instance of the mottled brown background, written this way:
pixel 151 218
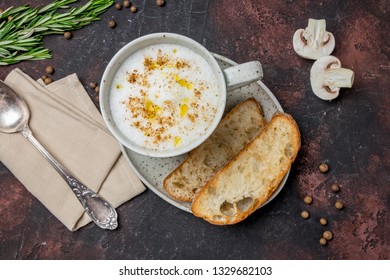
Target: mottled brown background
pixel 351 134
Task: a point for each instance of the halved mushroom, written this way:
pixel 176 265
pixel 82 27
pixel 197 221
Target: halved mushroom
pixel 327 77
pixel 314 41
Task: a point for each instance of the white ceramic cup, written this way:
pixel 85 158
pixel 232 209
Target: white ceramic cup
pixel 228 79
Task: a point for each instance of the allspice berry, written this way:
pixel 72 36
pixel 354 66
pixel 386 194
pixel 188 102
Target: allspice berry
pixel 49 70
pixel 68 35
pixel 118 6
pixel 126 3
pixel 48 81
pixel 335 187
pixel 308 199
pixel 305 214
pixel 324 167
pixel 92 85
pixel 327 235
pixel 323 241
pixel 339 205
pixel 323 221
pixel 133 9
pixel 160 2
pixel 111 23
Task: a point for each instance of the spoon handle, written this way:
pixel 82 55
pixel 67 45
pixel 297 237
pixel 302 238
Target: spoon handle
pixel 101 212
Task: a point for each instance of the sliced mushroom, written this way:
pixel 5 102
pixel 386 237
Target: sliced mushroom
pixel 327 77
pixel 314 41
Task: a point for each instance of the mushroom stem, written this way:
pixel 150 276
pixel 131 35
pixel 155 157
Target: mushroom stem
pixel 316 32
pixel 338 78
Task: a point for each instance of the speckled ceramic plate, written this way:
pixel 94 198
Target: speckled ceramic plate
pixel 152 171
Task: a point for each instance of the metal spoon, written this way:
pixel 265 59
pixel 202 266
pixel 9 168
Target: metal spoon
pixel 14 116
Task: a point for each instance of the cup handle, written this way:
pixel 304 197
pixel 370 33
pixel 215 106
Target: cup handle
pixel 242 74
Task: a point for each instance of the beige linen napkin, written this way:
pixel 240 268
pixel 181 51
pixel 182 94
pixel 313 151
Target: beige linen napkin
pixel 67 124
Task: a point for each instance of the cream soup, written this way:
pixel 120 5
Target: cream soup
pixel 164 97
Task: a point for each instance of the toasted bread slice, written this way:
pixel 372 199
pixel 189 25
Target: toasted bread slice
pixel 250 178
pixel 235 130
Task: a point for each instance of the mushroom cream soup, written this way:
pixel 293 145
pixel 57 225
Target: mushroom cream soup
pixel 164 97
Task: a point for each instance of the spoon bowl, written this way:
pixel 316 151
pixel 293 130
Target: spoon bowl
pixel 14 117
pixel 14 113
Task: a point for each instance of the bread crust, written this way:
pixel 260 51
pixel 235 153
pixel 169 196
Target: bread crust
pixel 214 183
pixel 188 196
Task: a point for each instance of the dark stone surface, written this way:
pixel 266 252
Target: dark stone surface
pixel 351 134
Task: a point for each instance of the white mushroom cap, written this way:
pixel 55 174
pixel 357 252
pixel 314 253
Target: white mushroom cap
pixel 327 77
pixel 314 41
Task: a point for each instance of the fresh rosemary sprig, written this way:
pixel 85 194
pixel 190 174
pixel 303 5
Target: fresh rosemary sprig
pixel 22 28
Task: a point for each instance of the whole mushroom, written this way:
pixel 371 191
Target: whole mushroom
pixel 314 41
pixel 327 77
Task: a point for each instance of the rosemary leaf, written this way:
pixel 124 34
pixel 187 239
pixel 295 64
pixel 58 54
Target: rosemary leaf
pixel 2 43
pixel 18 48
pixel 35 54
pixel 82 9
pixel 11 10
pixel 22 28
pixel 4 52
pixel 57 4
